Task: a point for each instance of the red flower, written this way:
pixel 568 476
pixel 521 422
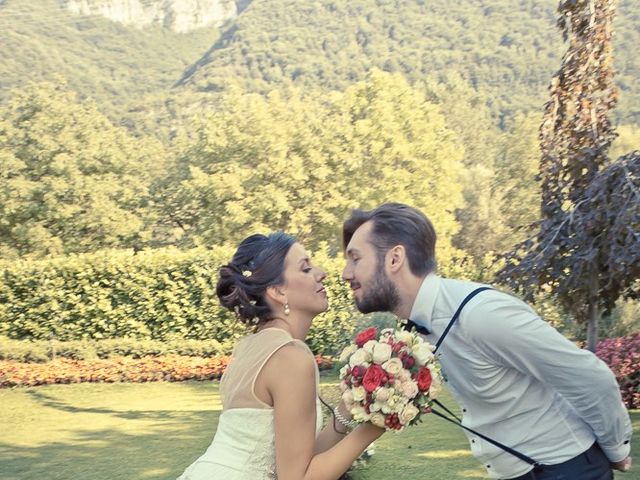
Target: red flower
pixel 408 361
pixel 423 378
pixel 373 378
pixel 358 371
pixel 366 335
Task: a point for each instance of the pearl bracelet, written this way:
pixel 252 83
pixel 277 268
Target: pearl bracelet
pixel 344 421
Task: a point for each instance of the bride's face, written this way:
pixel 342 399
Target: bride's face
pixel 304 289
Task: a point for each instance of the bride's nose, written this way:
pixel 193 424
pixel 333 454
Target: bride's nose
pixel 320 275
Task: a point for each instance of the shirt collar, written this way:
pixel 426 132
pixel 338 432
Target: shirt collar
pixel 422 310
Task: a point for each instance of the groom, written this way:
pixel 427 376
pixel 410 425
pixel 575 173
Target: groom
pixel 516 379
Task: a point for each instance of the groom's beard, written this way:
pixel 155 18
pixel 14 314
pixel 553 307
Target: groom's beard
pixel 382 294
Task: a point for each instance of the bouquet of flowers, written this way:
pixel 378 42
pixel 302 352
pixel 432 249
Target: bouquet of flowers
pixel 389 378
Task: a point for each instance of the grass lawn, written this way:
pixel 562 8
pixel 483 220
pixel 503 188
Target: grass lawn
pixel 154 430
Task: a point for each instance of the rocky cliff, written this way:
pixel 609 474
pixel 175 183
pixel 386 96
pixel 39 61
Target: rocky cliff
pixel 178 15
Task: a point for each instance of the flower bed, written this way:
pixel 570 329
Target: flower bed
pixel 623 357
pixel 170 368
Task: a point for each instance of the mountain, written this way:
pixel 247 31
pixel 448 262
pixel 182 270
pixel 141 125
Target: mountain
pixel 178 15
pixel 99 58
pixel 507 48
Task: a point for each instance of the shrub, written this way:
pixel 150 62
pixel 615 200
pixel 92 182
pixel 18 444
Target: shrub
pixel 39 351
pixel 158 295
pixel 24 351
pixel 622 354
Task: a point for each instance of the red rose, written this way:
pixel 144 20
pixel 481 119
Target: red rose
pixel 364 336
pixel 373 378
pixel 397 346
pixel 423 378
pixel 408 361
pixel 358 371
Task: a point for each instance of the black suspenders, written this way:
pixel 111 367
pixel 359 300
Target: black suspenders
pixel 409 325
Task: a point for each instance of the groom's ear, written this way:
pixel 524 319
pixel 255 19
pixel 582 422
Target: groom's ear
pixel 396 258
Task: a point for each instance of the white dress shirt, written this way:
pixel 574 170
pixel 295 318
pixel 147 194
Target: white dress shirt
pixel 519 381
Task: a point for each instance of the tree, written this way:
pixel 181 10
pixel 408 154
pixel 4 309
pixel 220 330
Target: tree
pixel 69 180
pixel 516 181
pixel 389 143
pixel 299 163
pixel 587 247
pixel 255 165
pixel 466 113
pixel 500 168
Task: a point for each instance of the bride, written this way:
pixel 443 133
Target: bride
pixel 271 424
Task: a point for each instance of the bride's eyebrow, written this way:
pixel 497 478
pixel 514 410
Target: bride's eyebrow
pixel 303 260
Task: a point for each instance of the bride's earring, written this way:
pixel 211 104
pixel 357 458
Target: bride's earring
pixel 286 309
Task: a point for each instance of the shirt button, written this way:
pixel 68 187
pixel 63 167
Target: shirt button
pixel 473 441
pixel 464 410
pixel 488 466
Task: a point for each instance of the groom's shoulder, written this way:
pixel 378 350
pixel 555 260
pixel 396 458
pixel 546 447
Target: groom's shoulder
pixel 489 302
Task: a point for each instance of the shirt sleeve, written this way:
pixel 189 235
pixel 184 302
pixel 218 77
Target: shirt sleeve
pixel 508 331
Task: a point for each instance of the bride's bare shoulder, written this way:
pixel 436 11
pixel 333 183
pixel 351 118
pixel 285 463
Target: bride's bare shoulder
pixel 294 359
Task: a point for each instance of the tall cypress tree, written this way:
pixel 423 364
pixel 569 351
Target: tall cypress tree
pixel 586 246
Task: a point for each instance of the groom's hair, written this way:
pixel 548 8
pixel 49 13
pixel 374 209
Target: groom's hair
pixel 397 224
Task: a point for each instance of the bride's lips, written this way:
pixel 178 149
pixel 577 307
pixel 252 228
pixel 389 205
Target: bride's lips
pixel 321 290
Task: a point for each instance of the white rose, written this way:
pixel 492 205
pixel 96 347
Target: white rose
pixel 359 393
pixel 375 407
pixel 404 337
pixel 368 347
pixel 377 419
pixel 381 352
pixel 382 394
pixel 408 413
pixel 422 353
pixel 343 371
pixel 404 375
pixel 347 352
pixel 409 389
pixel 347 397
pixel 393 366
pixel 358 358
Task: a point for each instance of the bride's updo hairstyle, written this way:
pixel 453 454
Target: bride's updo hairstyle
pixel 257 264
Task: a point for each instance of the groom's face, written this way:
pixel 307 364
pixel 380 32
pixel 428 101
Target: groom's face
pixel 372 289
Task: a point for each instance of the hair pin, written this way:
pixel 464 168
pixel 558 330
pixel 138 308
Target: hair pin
pixel 246 273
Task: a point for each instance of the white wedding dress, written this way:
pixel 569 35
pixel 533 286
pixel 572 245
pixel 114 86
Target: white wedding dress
pixel 243 447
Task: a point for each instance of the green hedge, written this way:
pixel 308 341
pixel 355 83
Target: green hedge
pixel 38 351
pixel 162 296
pixel 158 295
